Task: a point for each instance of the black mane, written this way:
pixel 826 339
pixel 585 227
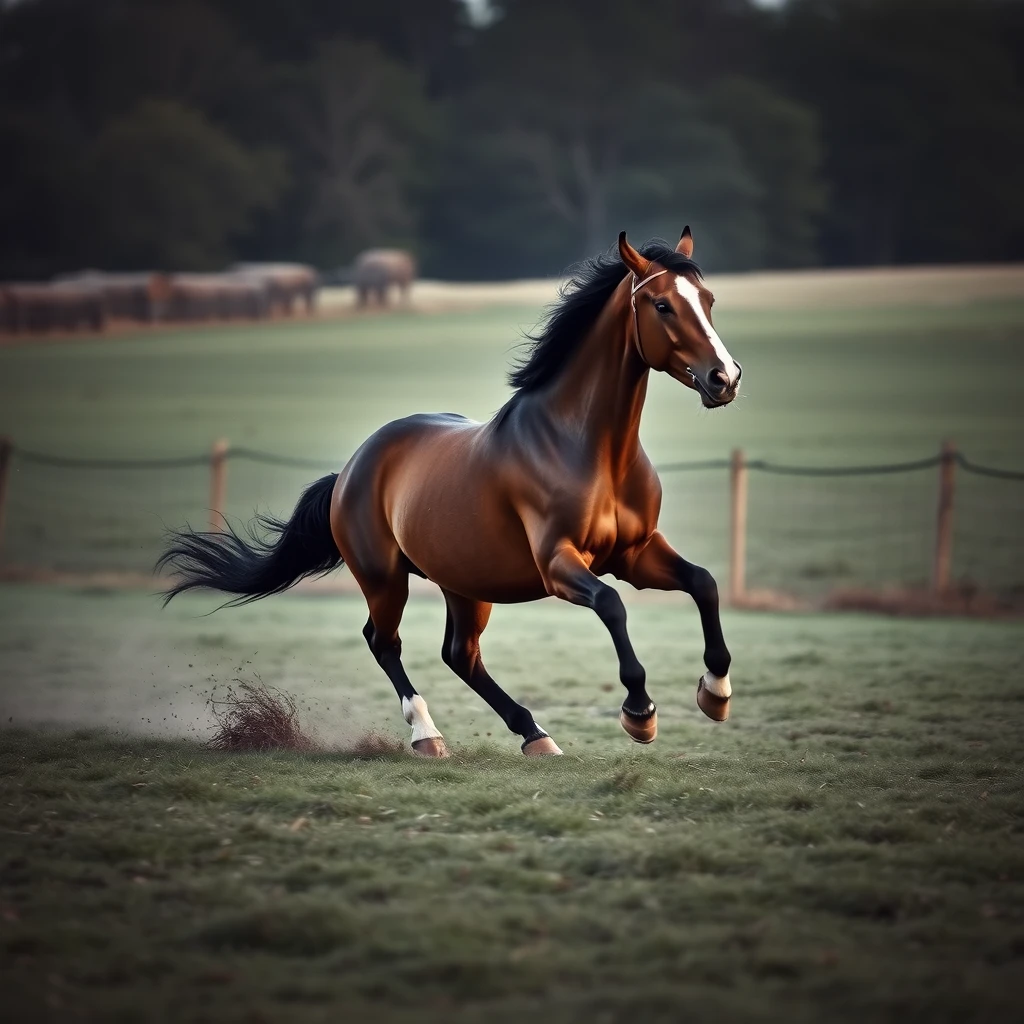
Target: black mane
pixel 581 300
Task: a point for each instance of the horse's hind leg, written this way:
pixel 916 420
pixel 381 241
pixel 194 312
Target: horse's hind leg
pixel 386 601
pixel 461 653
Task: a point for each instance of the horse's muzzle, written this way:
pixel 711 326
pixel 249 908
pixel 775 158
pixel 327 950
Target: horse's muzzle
pixel 716 389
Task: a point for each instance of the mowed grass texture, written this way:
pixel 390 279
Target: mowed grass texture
pixel 847 847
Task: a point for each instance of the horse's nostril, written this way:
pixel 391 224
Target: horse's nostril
pixel 718 380
pixel 739 371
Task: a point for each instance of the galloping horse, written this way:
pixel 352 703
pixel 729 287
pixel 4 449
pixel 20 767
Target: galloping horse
pixel 551 493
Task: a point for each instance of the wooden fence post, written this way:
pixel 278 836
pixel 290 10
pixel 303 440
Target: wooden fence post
pixel 944 525
pixel 6 454
pixel 738 532
pixel 218 484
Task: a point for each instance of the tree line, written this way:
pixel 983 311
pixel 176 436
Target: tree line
pixel 183 134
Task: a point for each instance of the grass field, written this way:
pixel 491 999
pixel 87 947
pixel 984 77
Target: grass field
pixel 842 378
pixel 847 847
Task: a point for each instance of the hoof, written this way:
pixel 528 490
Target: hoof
pixel 716 708
pixel 640 730
pixel 540 747
pixel 431 746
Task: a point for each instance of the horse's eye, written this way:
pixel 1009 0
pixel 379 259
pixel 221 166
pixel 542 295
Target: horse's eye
pixel 663 308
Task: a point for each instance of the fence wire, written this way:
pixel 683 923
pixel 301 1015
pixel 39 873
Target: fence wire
pixel 988 548
pixel 97 518
pixel 809 536
pixel 810 529
pixel 695 515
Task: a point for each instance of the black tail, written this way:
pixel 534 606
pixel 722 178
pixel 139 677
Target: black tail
pixel 254 566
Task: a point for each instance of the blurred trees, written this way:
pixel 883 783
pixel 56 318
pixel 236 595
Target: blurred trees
pixel 922 117
pixel 358 124
pixel 779 140
pixel 574 134
pixel 184 133
pixel 162 187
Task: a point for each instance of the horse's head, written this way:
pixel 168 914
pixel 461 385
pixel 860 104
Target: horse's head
pixel 671 317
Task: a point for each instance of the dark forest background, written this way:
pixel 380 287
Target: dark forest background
pixel 181 134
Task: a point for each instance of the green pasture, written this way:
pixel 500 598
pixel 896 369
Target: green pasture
pixel 860 384
pixel 847 847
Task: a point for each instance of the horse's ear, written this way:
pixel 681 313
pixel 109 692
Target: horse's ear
pixel 633 260
pixel 685 245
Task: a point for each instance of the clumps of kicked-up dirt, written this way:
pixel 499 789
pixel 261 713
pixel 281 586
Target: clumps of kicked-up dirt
pixel 255 717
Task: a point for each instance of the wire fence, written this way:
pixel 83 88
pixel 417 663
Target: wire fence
pixel 944 522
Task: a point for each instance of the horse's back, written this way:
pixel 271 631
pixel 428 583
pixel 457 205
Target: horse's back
pixel 412 446
pixel 428 486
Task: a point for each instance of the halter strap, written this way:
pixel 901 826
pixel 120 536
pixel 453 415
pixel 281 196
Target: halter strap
pixel 637 285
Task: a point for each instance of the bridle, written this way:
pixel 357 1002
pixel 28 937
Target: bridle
pixel 637 285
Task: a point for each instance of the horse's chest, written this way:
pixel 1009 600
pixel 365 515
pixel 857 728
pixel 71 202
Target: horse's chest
pixel 602 530
pixel 610 527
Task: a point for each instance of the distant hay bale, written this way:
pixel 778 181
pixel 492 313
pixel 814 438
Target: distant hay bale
pixel 257 717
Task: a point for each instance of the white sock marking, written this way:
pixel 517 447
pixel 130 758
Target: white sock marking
pixel 689 291
pixel 416 714
pixel 718 687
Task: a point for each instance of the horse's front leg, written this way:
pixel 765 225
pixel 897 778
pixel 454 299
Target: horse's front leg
pixel 658 567
pixel 567 575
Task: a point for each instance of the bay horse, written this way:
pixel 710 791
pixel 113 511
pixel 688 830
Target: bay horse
pixel 551 493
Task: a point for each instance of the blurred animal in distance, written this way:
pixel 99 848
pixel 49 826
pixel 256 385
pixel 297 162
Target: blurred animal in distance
pixel 141 296
pixel 285 283
pixel 376 270
pixel 46 306
pixel 217 297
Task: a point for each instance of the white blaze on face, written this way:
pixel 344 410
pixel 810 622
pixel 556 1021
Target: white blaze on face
pixel 688 290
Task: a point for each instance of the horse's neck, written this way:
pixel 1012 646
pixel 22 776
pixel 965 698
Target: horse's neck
pixel 600 393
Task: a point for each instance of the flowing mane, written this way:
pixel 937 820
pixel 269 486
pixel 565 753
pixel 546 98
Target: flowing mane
pixel 581 300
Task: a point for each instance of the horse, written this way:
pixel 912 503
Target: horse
pixel 222 296
pixel 285 283
pixel 375 270
pixel 547 496
pixel 141 296
pixel 51 305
